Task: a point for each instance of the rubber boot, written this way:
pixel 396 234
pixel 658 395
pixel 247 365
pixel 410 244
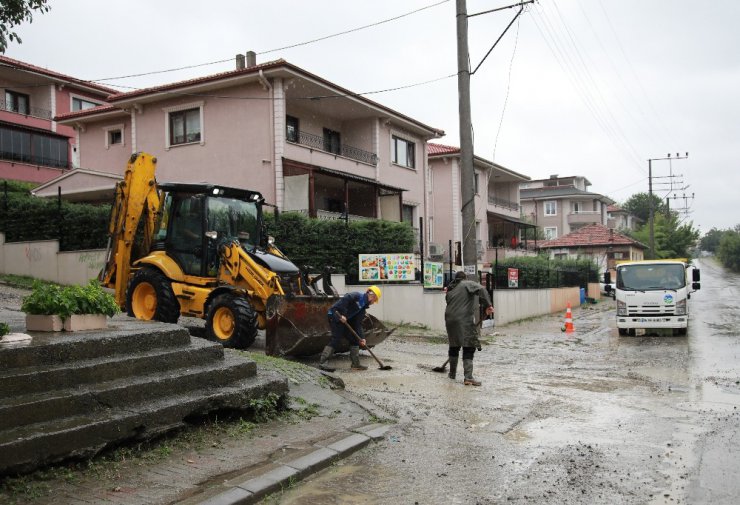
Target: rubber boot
pixel 468 369
pixel 453 368
pixel 354 356
pixel 325 355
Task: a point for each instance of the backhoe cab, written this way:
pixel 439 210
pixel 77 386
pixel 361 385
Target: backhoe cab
pixel 200 250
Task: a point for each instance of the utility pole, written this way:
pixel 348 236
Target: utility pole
pixel 651 204
pixel 467 171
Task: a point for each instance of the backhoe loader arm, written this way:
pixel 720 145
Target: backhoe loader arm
pixel 239 269
pixel 136 194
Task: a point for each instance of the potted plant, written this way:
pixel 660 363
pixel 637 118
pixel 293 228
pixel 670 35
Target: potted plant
pixel 51 307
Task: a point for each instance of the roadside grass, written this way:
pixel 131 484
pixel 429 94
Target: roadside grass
pixel 19 281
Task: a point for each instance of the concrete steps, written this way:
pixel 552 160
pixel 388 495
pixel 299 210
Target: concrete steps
pixel 71 395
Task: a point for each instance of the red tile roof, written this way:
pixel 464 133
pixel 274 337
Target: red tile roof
pixel 593 235
pixel 21 65
pixel 440 149
pixel 87 112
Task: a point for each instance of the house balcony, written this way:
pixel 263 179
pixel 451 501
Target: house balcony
pixel 28 111
pixel 332 150
pixel 502 205
pixel 584 217
pixel 332 216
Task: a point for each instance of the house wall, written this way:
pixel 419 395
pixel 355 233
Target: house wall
pixel 94 155
pixel 441 201
pixel 410 179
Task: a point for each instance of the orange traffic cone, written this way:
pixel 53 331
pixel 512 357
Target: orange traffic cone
pixel 568 320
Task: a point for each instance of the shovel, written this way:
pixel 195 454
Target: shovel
pixel 380 363
pixel 484 323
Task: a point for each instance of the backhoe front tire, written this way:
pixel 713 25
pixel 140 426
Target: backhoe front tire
pixel 150 297
pixel 231 321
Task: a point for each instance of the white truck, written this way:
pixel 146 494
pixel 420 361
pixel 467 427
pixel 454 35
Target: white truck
pixel 653 294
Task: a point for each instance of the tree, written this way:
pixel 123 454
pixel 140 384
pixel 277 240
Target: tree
pixel 711 239
pixel 14 12
pixel 729 249
pixel 639 205
pixel 672 239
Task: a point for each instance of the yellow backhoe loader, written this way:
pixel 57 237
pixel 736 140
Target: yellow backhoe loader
pixel 200 250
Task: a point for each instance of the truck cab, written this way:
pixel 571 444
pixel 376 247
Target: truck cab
pixel 653 295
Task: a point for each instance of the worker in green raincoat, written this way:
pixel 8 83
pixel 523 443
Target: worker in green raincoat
pixel 463 300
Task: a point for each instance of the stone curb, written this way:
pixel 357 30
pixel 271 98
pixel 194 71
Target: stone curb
pixel 288 473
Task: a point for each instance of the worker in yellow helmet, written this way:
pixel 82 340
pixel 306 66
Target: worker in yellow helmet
pixel 350 309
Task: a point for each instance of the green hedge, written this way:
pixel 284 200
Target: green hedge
pixel 318 243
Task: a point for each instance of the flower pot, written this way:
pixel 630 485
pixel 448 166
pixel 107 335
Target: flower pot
pixel 81 322
pixel 36 322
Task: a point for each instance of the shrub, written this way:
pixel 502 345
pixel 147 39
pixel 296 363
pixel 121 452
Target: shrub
pixel 4 329
pixel 51 299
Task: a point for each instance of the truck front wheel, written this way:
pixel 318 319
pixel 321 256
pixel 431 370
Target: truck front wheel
pixel 231 320
pixel 622 331
pixel 149 296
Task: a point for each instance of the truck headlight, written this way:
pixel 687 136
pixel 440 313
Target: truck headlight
pixel 681 307
pixel 621 308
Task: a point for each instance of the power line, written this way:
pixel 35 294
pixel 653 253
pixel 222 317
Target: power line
pixel 319 39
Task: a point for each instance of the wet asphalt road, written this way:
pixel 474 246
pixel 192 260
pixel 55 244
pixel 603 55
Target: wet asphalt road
pixel 589 417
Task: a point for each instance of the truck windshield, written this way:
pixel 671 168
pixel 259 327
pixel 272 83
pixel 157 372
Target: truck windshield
pixel 649 277
pixel 234 218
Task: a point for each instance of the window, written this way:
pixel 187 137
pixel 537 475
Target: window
pixel 476 182
pixel 551 208
pixel 32 147
pixel 332 141
pixel 17 102
pixel 291 129
pixel 578 207
pixel 184 124
pixel 82 104
pixel 551 232
pixel 113 135
pixel 407 214
pixel 402 152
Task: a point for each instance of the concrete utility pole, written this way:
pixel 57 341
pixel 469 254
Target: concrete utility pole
pixel 467 171
pixel 651 205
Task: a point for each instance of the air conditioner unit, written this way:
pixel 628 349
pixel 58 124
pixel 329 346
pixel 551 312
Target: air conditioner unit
pixel 435 250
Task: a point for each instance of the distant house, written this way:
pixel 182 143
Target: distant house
pixel 604 245
pixel 620 219
pixel 499 230
pixel 560 205
pixel 308 145
pixel 33 146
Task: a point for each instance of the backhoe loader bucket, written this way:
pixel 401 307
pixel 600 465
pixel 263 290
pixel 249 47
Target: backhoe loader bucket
pixel 301 328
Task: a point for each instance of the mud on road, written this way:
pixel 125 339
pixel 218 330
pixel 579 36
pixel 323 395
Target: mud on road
pixel 588 417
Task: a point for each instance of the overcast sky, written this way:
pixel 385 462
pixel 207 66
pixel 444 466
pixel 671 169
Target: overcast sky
pixel 575 87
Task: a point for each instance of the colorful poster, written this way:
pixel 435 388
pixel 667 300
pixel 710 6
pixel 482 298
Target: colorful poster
pixel 387 267
pixel 433 275
pixel 513 277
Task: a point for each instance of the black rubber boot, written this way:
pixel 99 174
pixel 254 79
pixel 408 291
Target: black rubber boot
pixel 453 368
pixel 325 355
pixel 354 356
pixel 468 369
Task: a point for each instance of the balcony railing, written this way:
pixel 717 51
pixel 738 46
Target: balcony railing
pixel 29 111
pixel 500 202
pixel 319 142
pixel 330 216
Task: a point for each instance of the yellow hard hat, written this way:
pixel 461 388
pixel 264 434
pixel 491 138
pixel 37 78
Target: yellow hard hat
pixel 375 290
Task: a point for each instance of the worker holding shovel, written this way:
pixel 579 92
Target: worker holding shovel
pixel 459 320
pixel 345 320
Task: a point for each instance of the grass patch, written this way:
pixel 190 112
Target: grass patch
pixel 19 281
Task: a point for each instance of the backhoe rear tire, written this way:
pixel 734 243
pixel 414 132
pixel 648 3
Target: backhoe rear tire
pixel 150 297
pixel 231 321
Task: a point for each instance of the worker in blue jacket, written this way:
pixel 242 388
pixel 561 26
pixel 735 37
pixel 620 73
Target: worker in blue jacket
pixel 350 309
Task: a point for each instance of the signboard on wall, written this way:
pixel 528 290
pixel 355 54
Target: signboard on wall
pixel 513 277
pixel 433 275
pixel 387 267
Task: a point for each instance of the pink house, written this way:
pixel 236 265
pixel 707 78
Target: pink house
pixel 33 146
pixel 499 230
pixel 306 144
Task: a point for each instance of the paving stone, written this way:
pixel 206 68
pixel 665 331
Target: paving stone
pixel 233 496
pixel 350 444
pixel 313 462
